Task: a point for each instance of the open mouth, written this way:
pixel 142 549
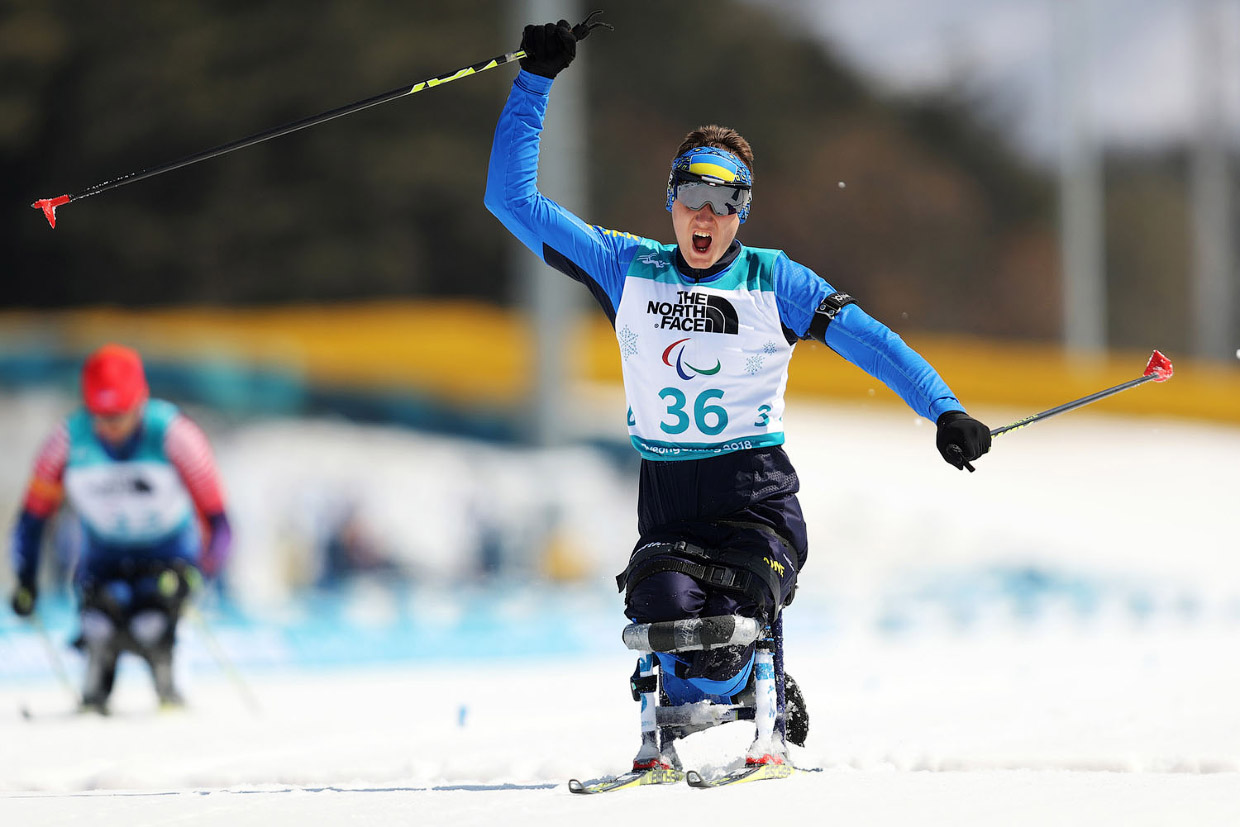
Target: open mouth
pixel 701 241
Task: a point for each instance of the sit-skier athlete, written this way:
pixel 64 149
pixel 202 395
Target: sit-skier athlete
pixel 705 327
pixel 140 477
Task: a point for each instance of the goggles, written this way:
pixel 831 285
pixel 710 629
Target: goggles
pixel 724 199
pixel 708 175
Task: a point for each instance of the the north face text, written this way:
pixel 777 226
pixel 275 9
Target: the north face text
pixel 695 313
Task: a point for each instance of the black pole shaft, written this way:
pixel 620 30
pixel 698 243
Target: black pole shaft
pixel 1073 405
pixel 304 123
pixel 781 693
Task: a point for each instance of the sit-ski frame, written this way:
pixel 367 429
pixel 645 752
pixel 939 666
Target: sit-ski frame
pixel 661 726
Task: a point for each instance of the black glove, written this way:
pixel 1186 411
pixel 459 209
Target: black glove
pixel 549 48
pixel 961 439
pixel 24 599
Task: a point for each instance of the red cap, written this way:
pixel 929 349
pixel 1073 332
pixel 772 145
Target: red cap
pixel 113 381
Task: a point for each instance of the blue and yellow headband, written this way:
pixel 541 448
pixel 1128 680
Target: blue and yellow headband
pixel 710 164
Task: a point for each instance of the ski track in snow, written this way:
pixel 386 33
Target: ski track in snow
pixel 1110 725
pixel 1048 641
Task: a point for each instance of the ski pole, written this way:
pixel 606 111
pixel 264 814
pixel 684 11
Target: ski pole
pixel 221 658
pixel 49 205
pixel 1158 369
pixel 53 657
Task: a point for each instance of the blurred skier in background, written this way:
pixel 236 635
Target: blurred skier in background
pixel 705 328
pixel 140 477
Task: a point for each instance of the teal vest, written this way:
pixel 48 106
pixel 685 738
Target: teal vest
pixel 139 500
pixel 705 364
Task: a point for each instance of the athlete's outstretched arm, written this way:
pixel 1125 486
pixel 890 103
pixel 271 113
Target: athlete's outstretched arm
pixel 43 497
pixel 190 453
pixel 583 252
pixel 812 308
pixel 879 351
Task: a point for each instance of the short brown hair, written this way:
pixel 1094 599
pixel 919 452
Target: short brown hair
pixel 721 137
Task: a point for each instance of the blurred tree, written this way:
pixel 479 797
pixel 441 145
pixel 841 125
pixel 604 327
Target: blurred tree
pixel 387 202
pixel 1148 239
pixel 939 226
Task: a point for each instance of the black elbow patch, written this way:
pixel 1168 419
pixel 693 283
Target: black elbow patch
pixel 569 268
pixel 826 313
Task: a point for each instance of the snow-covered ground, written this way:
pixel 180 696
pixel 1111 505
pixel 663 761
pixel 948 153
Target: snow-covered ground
pixel 1053 726
pixel 1048 641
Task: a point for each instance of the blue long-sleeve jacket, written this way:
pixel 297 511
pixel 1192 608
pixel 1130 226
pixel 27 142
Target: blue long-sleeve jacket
pixel 602 259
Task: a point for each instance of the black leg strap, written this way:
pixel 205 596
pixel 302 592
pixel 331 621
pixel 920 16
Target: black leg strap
pixel 728 570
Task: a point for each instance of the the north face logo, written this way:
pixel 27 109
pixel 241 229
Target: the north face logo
pixel 695 313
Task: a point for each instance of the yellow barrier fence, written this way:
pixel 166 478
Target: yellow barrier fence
pixel 472 353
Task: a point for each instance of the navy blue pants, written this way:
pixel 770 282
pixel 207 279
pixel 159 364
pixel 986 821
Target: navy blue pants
pixel 121 581
pixel 743 502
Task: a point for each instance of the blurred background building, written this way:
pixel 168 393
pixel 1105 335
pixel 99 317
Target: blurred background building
pixel 1035 193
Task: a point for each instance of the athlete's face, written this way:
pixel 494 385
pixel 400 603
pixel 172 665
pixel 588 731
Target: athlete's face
pixel 703 237
pixel 117 428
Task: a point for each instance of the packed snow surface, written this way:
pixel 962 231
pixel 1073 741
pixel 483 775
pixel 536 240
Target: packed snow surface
pixel 1051 640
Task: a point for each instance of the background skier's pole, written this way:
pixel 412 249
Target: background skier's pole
pixel 53 657
pixel 221 658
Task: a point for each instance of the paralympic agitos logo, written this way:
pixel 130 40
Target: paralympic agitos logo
pixel 695 313
pixel 680 364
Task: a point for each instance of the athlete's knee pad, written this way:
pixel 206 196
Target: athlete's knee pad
pixel 673 595
pixel 664 595
pixel 98 629
pixel 151 628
